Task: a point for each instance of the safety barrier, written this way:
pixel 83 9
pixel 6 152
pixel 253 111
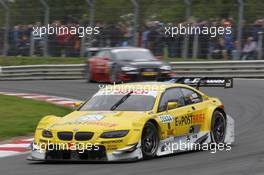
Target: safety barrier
pixel 236 69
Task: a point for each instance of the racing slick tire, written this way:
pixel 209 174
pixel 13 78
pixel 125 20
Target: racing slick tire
pixel 218 127
pixel 149 141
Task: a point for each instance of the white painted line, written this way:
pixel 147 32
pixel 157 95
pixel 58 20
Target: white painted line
pixel 30 139
pixel 30 97
pixel 17 94
pixel 42 96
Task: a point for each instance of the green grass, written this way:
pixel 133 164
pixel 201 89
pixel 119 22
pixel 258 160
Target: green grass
pixel 19 117
pixel 16 61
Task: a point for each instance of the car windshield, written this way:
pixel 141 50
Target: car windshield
pixel 134 55
pixel 132 103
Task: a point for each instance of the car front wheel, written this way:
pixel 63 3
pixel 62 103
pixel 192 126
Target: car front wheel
pixel 149 140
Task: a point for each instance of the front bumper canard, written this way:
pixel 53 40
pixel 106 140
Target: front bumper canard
pixel 131 152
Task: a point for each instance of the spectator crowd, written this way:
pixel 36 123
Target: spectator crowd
pixel 151 36
pixel 220 47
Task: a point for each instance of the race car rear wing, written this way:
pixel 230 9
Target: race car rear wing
pixel 205 81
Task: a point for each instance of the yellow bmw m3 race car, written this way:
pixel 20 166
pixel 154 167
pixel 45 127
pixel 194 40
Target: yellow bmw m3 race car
pixel 137 121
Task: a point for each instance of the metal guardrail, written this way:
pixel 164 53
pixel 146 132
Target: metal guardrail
pixel 236 69
pixel 43 72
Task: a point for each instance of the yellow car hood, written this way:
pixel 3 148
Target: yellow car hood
pixel 98 121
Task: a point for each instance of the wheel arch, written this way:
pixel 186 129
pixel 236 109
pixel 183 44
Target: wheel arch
pixel 221 110
pixel 156 124
pixel 210 113
pixel 47 120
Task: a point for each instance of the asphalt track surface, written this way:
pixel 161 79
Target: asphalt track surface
pixel 245 103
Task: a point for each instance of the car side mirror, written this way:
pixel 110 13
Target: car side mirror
pixel 171 105
pixel 77 104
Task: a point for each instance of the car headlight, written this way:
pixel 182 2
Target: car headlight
pixel 47 134
pixel 128 68
pixel 165 67
pixel 114 134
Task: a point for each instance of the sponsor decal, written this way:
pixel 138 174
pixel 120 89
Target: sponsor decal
pixel 90 118
pixel 97 123
pixel 126 91
pixel 210 82
pixel 196 80
pixel 87 120
pixel 135 92
pixel 198 118
pixel 111 141
pixel 189 119
pixel 111 147
pixel 166 118
pixel 183 120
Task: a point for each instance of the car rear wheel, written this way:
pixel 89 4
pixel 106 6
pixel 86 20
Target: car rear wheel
pixel 149 140
pixel 218 127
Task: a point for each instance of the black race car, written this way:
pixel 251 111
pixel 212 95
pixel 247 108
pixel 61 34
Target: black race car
pixel 126 64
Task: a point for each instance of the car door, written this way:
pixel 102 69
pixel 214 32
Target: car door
pixel 197 107
pixel 174 120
